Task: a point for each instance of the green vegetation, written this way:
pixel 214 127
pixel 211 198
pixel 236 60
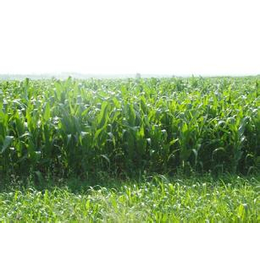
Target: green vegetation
pixel 159 199
pixel 129 125
pixel 74 134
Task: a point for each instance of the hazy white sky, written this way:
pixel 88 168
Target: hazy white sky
pixel 129 36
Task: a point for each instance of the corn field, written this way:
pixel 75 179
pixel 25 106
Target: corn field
pixel 132 126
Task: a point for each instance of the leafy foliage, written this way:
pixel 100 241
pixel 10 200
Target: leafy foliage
pixel 129 125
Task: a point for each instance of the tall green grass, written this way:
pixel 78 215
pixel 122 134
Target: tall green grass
pixel 56 128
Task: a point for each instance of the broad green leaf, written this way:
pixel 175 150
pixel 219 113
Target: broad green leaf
pixel 7 141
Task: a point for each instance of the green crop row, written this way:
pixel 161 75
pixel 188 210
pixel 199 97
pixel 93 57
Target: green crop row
pixel 129 125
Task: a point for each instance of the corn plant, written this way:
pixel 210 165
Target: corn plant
pixel 57 128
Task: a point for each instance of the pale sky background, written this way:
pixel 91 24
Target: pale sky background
pixel 200 37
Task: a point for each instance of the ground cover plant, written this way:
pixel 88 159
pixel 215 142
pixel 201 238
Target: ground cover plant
pixel 93 130
pixel 158 199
